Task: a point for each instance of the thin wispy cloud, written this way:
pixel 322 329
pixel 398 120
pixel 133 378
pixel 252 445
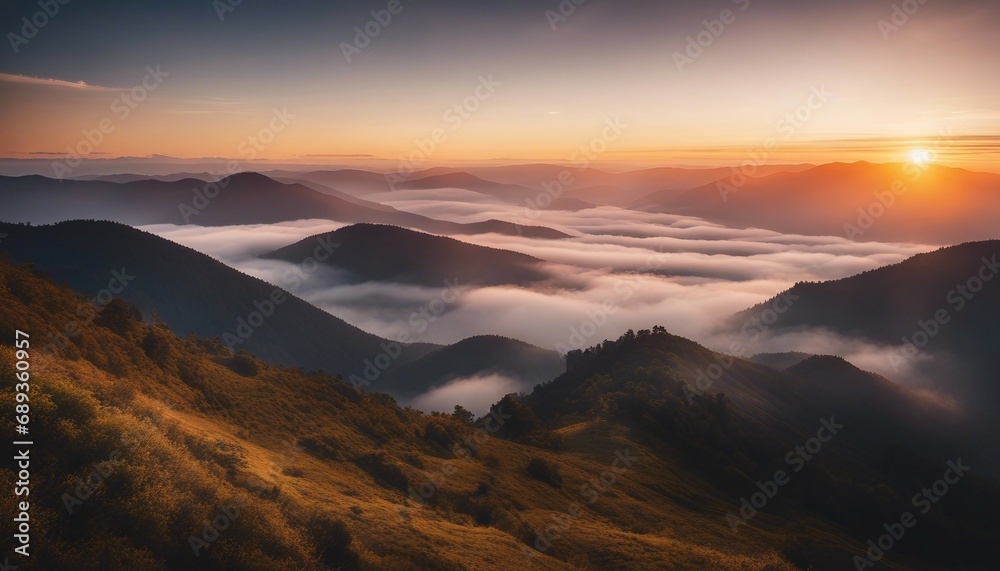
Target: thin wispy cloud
pixel 339 156
pixel 56 153
pixel 54 83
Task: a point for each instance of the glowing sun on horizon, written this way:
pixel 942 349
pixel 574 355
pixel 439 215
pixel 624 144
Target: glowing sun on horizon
pixel 920 156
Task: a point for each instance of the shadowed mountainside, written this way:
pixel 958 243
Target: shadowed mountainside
pixel 372 252
pixel 195 294
pixel 934 312
pixel 476 356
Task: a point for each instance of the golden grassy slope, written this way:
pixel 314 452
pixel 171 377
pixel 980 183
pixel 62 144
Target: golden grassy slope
pixel 196 435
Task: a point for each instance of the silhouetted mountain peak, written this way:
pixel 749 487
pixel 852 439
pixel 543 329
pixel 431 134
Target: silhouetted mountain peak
pixel 379 252
pixel 824 362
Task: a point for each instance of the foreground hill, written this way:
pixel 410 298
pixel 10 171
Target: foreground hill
pixel 608 467
pixel 933 312
pixel 244 198
pixel 372 252
pixel 862 201
pixel 732 422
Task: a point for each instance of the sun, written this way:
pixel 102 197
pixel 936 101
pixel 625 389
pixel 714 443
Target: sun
pixel 920 156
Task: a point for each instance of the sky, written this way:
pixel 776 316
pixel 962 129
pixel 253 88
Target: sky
pixel 625 81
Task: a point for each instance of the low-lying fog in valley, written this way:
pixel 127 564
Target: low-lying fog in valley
pixel 620 269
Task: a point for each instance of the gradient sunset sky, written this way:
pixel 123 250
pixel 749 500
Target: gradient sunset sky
pixel 887 91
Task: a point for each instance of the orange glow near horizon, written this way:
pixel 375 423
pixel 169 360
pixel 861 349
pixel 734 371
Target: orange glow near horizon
pixel 839 92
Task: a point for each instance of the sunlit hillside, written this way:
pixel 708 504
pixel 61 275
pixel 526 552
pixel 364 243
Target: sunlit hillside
pixel 320 474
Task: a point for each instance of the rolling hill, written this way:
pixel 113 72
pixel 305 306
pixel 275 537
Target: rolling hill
pixel 889 414
pixel 933 312
pixel 190 292
pixel 475 356
pixel 383 253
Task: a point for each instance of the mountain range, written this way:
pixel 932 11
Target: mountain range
pixel 244 198
pixel 529 181
pixel 860 201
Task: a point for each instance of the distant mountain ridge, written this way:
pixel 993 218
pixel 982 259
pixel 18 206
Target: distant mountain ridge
pixel 530 181
pixel 861 201
pixel 507 192
pixel 244 198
